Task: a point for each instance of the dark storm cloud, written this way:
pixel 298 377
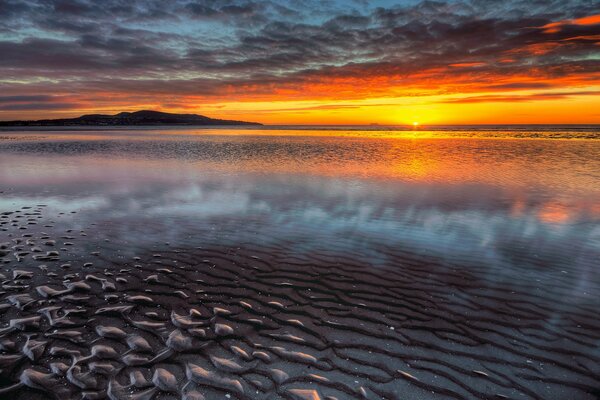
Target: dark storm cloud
pixel 204 47
pixel 13 99
pixel 34 102
pixel 225 9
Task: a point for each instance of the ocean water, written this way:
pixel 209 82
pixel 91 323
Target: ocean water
pixel 301 262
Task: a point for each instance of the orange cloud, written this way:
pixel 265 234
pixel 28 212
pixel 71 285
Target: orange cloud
pixel 586 38
pixel 536 49
pixel 467 64
pixel 555 27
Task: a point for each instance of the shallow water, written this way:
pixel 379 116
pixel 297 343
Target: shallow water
pixel 396 265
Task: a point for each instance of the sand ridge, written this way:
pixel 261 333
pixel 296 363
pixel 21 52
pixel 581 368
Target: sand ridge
pixel 78 320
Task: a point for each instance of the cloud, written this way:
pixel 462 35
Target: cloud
pixel 38 106
pixel 136 50
pixel 519 98
pixel 554 27
pixel 19 99
pixel 35 102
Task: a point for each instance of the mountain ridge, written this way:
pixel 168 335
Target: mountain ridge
pixel 135 118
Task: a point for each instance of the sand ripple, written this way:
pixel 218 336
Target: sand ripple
pixel 262 322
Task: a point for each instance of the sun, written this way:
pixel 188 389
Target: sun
pixel 415 124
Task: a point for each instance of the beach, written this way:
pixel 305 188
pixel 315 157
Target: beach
pixel 300 263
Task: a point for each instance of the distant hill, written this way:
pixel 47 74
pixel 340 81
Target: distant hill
pixel 144 117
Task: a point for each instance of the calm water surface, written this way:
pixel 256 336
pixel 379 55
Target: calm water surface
pixel 450 264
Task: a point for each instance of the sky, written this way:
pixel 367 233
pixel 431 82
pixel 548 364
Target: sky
pixel 304 61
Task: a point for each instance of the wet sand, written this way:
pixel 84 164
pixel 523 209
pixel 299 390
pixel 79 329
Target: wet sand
pixel 120 301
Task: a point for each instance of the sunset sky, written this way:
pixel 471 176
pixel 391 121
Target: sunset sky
pixel 304 61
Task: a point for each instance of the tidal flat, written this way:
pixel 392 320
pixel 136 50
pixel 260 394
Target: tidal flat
pixel 299 264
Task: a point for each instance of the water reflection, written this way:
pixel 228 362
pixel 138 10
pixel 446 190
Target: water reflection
pixel 458 199
pixel 460 267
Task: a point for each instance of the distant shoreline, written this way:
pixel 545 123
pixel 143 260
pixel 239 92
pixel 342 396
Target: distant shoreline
pixel 129 119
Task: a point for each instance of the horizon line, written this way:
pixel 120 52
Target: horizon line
pixel 262 125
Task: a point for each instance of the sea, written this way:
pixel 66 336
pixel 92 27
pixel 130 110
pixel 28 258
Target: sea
pixel 300 262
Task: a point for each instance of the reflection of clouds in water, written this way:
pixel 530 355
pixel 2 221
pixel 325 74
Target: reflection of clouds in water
pixel 489 203
pixel 195 201
pixel 55 203
pixel 567 167
pixel 333 215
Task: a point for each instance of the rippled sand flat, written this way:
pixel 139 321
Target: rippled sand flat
pixel 299 268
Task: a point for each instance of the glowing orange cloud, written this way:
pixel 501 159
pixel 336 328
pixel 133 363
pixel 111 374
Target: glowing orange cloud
pixel 467 64
pixel 555 27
